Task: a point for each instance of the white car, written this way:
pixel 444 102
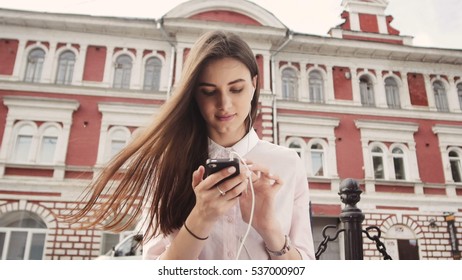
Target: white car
pixel 130 248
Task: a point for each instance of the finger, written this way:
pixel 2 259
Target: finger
pixel 219 176
pixel 237 190
pixel 197 176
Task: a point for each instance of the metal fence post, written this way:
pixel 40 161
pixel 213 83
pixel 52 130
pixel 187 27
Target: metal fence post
pixel 352 218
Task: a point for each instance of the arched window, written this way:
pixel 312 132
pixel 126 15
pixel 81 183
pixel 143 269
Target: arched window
pixel 65 69
pixel 456 166
pixel 289 84
pixel 392 93
pixel 398 163
pixel 366 89
pixel 23 143
pixel 441 100
pixel 118 138
pixel 316 87
pixel 459 93
pixel 122 72
pixel 317 160
pixel 34 65
pixel 297 147
pixel 378 163
pixel 152 72
pixel 48 144
pixel 22 236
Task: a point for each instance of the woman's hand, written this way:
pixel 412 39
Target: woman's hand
pixel 212 199
pixel 266 186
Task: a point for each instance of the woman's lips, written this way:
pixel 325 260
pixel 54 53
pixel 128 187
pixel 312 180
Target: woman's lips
pixel 225 118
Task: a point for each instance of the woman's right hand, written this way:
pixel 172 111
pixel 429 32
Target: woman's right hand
pixel 212 200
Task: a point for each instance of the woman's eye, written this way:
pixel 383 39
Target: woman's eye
pixel 208 92
pixel 238 90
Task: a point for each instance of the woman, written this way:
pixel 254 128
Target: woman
pixel 188 216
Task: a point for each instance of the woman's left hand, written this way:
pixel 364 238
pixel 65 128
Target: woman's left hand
pixel 266 186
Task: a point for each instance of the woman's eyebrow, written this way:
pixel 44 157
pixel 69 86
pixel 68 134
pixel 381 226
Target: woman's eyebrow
pixel 212 85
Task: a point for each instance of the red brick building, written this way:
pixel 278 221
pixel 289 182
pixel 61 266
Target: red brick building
pixel 362 103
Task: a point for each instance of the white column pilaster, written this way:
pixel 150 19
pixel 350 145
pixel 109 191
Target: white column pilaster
pixel 47 71
pixel 80 65
pixel 108 67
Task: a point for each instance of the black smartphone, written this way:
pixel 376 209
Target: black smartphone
pixel 215 165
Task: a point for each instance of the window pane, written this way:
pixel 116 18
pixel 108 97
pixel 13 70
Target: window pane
pixel 459 93
pixel 152 74
pixel 17 245
pixel 122 74
pixel 378 168
pixel 48 148
pixel 441 101
pixel 37 246
pixel 22 148
pixel 392 93
pixel 289 84
pixel 315 87
pixel 34 66
pixel 2 242
pixel 317 163
pixel 116 146
pixel 399 168
pixel 456 170
pixel 65 68
pixel 366 91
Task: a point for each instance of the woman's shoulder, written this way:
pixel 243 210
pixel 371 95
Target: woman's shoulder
pixel 276 151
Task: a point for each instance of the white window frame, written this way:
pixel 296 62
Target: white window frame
pixel 118 115
pixel 392 93
pixel 405 158
pixel 42 133
pixel 69 69
pixel 400 134
pixel 459 94
pixel 147 87
pixel 441 96
pixel 29 231
pixel 458 159
pixel 285 83
pixel 384 157
pixel 16 134
pixel 299 142
pixel 125 72
pixel 368 98
pixel 319 129
pixel 321 86
pixel 50 111
pixel 111 137
pixel 37 67
pixel 325 155
pixel 449 140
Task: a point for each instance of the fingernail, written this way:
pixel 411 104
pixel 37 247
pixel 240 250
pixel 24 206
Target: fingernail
pixel 232 169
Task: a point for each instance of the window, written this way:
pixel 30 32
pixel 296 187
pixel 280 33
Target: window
pixel 118 138
pixel 366 89
pixel 459 93
pixel 122 72
pixel 23 143
pixel 35 146
pixel 317 160
pixel 65 68
pixel 316 87
pixel 398 163
pixel 456 166
pixel 392 93
pixel 34 65
pixel 378 163
pixel 22 236
pixel 441 100
pixel 289 84
pixel 152 72
pixel 48 145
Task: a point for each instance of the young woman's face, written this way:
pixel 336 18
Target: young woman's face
pixel 224 94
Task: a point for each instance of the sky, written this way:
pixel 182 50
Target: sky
pixel 432 23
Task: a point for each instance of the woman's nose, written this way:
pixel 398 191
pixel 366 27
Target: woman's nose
pixel 224 101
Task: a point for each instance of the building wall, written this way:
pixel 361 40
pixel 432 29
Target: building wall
pixel 90 107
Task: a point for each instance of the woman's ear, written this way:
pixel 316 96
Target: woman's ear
pixel 254 81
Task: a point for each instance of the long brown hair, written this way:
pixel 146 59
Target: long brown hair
pixel 156 168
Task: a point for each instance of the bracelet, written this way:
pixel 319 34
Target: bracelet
pixel 195 236
pixel 283 251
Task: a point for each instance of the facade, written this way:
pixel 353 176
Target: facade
pixel 361 103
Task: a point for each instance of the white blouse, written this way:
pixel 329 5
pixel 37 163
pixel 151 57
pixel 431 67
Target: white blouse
pixel 292 201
